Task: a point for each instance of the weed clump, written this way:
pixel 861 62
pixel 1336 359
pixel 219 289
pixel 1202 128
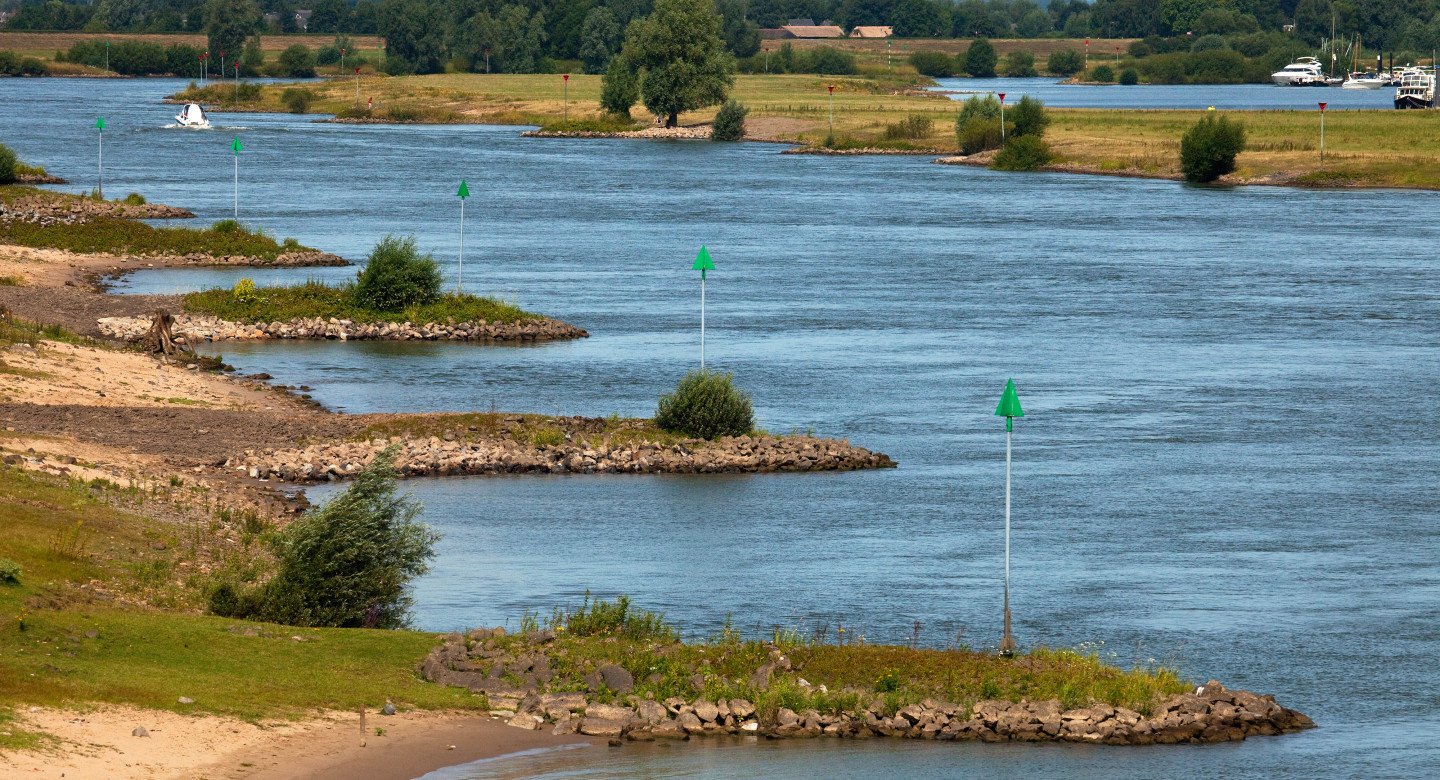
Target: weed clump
pixel 913 127
pixel 617 619
pixel 9 572
pixel 706 405
pixel 729 124
pixel 1208 150
pixel 347 564
pixel 396 276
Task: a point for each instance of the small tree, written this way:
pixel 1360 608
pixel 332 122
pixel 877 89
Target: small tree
pixel 297 62
pixel 8 161
pixel 729 124
pixel 681 58
pixel 1102 73
pixel 977 127
pixel 1129 77
pixel 932 63
pixel 253 58
pixel 619 87
pixel 706 405
pixel 348 563
pixel 396 276
pixel 1020 64
pixel 1029 117
pixel 1208 150
pixel 1066 62
pixel 297 99
pixel 980 58
pixel 228 23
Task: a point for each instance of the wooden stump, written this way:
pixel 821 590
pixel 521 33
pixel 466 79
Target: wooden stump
pixel 160 339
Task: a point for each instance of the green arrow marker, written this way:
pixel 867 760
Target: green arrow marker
pixel 100 157
pixel 235 145
pixel 702 264
pixel 1009 408
pixel 462 193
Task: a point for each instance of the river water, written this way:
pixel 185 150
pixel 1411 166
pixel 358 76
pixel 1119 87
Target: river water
pixel 1227 462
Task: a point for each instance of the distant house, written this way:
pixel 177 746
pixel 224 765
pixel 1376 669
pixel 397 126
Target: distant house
pixel 801 23
pixel 810 31
pixel 302 18
pixel 872 32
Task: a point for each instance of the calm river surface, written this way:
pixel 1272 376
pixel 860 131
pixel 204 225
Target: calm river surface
pixel 1227 461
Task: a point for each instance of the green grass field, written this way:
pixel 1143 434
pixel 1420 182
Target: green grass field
pixel 316 299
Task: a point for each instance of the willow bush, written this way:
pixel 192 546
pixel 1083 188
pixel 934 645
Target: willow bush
pixel 706 405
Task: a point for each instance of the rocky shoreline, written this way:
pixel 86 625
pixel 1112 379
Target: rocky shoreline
pixel 198 329
pixel 435 456
pixel 868 150
pixel 700 132
pixel 522 688
pixel 47 209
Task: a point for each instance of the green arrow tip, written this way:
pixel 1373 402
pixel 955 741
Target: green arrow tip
pixel 1009 404
pixel 235 145
pixel 100 123
pixel 464 190
pixel 702 262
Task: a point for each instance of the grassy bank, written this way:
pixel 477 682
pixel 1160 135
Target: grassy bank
pixel 68 637
pixel 317 299
pixel 1380 148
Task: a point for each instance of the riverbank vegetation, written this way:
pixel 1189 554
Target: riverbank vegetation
pixel 73 630
pixel 120 235
pixel 706 405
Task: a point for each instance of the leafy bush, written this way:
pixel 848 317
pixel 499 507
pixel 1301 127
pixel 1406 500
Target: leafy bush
pixel 980 58
pixel 329 54
pixel 1020 64
pixel 706 405
pixel 396 276
pixel 980 106
pixel 729 124
pixel 978 135
pixel 1140 49
pixel 1208 150
pixel 347 563
pixel 1066 62
pixel 8 161
pixel 913 127
pixel 1022 153
pixel 619 87
pixel 1129 77
pixel 228 227
pixel 1209 43
pixel 888 681
pixel 1102 73
pixel 296 62
pixel 1029 117
pixel 9 572
pixel 826 61
pixel 932 63
pixel 297 99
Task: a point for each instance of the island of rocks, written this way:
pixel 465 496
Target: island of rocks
pixel 523 689
pixel 197 329
pixel 436 456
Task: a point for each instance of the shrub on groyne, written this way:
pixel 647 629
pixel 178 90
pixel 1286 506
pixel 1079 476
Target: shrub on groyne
pixel 706 405
pixel 1208 150
pixel 397 276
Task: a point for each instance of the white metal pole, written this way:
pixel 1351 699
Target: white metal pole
pixel 237 186
pixel 1007 527
pixel 702 319
pixel 1322 136
pixel 1002 143
pixel 460 277
pixel 100 166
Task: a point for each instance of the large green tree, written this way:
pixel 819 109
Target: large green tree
pixel 228 23
pixel 598 40
pixel 681 57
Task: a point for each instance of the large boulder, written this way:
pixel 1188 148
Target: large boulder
pixel 616 678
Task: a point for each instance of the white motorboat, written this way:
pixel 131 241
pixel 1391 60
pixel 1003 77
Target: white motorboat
pixel 1363 81
pixel 1416 90
pixel 192 116
pixel 1304 71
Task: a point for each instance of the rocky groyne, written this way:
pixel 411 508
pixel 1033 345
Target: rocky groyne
pixel 522 687
pixel 47 209
pixel 196 329
pixel 435 456
pixel 699 132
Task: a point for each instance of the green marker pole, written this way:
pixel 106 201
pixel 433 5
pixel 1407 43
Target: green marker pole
pixel 702 264
pixel 100 160
pixel 1009 408
pixel 462 194
pixel 236 148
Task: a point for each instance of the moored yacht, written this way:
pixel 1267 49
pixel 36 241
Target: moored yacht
pixel 1416 90
pixel 1363 81
pixel 1303 71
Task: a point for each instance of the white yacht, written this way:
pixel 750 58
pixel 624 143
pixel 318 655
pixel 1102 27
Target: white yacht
pixel 1303 71
pixel 1416 90
pixel 192 116
pixel 1363 81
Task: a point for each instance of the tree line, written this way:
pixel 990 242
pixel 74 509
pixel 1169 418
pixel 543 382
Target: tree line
pixel 426 31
